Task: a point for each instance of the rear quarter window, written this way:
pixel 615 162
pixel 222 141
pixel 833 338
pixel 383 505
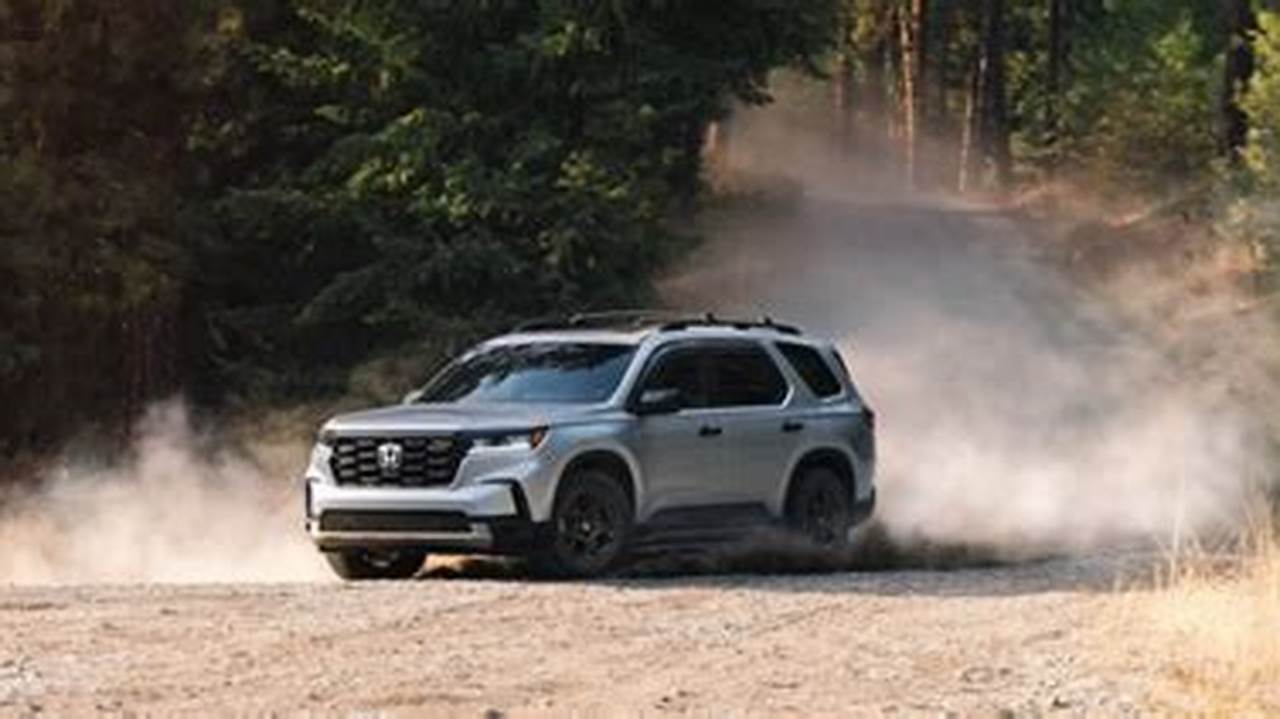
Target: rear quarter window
pixel 816 373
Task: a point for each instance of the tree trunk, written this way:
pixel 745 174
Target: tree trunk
pixel 872 104
pixel 1241 23
pixel 842 86
pixel 938 71
pixel 871 97
pixel 970 157
pixel 893 72
pixel 913 57
pixel 1057 65
pixel 994 122
pixel 715 151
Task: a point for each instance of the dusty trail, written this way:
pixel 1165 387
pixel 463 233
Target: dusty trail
pixel 1015 411
pixel 1015 415
pixel 1024 638
pixel 917 287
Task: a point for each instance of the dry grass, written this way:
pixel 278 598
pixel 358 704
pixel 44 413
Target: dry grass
pixel 1203 298
pixel 1217 619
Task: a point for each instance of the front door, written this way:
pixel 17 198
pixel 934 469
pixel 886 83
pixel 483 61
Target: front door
pixel 682 453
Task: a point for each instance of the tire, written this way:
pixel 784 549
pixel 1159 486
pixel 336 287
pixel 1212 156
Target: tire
pixel 359 564
pixel 820 510
pixel 589 529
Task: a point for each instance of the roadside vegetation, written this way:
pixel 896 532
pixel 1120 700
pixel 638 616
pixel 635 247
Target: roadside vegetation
pixel 246 201
pixel 276 202
pixel 1214 616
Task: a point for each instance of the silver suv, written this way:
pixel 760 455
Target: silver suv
pixel 580 442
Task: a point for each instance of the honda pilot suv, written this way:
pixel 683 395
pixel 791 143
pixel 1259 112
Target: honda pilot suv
pixel 578 443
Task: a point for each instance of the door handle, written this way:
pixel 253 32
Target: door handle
pixel 792 426
pixel 710 431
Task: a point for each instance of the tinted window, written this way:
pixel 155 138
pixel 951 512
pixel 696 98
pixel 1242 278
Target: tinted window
pixel 536 372
pixel 682 370
pixel 815 372
pixel 744 376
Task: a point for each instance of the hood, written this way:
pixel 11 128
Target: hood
pixel 451 418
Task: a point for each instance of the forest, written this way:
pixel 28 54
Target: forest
pixel 247 202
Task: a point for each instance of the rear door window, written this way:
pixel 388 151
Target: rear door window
pixel 808 363
pixel 744 376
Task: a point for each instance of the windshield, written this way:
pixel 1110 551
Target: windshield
pixel 537 372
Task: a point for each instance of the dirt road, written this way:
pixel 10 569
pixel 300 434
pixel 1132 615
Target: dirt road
pixel 1032 638
pixel 1015 416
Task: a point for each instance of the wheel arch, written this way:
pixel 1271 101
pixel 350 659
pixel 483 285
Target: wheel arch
pixel 611 462
pixel 829 457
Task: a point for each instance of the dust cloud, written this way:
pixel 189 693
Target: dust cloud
pixel 180 509
pixel 1017 413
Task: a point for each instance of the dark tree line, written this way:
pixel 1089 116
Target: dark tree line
pixel 247 200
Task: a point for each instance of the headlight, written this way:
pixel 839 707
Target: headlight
pixel 327 437
pixel 524 439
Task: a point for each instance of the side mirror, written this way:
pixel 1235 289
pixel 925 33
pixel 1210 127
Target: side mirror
pixel 412 397
pixel 666 400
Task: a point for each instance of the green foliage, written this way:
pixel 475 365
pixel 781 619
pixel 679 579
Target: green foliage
pixel 286 197
pixel 425 161
pixel 1253 206
pixel 254 198
pixel 1139 104
pixel 1156 124
pixel 1262 104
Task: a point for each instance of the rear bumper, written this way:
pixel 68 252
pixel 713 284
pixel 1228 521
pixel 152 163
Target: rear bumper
pixel 863 508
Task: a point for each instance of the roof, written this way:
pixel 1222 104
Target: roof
pixel 632 326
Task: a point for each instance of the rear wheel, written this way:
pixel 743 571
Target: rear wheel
pixel 590 525
pixel 356 564
pixel 820 510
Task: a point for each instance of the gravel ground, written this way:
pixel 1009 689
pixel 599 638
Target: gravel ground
pixel 1031 638
pixel 997 429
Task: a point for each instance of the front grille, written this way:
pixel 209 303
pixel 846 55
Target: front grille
pixel 354 521
pixel 422 461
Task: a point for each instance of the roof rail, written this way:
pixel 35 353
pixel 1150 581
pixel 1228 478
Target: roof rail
pixel 710 320
pixel 634 319
pixel 664 320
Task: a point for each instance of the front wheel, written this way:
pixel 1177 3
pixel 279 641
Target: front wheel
pixel 820 509
pixel 590 525
pixel 357 564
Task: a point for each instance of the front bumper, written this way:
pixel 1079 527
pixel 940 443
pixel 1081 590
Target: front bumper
pixel 485 518
pixel 485 509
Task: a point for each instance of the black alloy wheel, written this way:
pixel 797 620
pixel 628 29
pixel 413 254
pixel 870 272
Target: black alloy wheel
pixel 590 525
pixel 820 509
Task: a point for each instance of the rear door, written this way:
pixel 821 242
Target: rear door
pixel 749 397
